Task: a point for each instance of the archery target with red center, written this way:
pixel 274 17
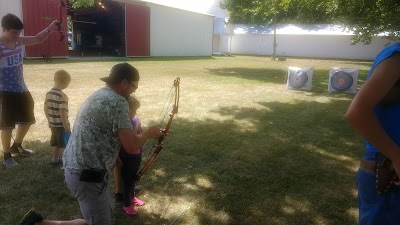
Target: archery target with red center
pixel 343 80
pixel 299 78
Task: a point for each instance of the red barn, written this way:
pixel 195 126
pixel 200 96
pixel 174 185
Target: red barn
pixel 132 28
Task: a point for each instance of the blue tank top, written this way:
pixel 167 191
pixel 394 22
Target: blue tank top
pixel 11 69
pixel 388 116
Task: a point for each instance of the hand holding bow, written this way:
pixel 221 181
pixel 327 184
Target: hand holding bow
pixel 165 131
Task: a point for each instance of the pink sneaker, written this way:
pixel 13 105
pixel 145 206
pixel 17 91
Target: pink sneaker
pixel 137 201
pixel 130 210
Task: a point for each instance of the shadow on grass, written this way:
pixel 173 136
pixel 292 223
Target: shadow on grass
pixel 274 76
pixel 290 164
pixel 116 59
pixel 368 63
pixel 35 183
pixel 297 166
pixel 320 78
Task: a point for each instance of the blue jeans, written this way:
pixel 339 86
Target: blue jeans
pixel 373 208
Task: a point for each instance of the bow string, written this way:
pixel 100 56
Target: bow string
pixel 160 143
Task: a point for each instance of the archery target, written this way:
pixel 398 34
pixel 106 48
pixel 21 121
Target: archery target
pixel 299 78
pixel 343 80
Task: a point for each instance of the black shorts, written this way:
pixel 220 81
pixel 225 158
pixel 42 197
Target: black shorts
pixel 16 108
pixel 57 137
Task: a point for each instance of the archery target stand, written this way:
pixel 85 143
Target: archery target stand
pixel 299 78
pixel 343 80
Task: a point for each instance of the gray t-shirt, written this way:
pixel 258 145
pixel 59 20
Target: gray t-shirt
pixel 94 142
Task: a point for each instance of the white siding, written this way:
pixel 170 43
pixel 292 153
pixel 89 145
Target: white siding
pixel 11 6
pixel 303 45
pixel 14 7
pixel 175 32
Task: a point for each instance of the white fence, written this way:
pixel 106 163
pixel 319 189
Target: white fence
pixel 303 45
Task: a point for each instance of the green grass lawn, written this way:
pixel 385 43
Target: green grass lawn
pixel 243 149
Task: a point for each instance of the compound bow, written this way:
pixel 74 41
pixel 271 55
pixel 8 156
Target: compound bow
pixel 165 131
pixel 60 18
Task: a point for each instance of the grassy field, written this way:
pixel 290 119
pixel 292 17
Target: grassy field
pixel 243 149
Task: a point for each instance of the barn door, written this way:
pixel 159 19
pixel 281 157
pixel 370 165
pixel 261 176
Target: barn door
pixel 137 30
pixel 37 15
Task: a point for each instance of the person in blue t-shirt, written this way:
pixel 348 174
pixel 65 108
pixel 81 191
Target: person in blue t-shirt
pixel 375 114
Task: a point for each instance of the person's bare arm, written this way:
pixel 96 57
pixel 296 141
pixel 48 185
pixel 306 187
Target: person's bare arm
pixel 361 116
pixel 40 37
pixel 46 112
pixel 64 119
pixel 131 141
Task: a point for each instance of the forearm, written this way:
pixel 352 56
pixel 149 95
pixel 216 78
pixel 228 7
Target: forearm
pixel 46 113
pixel 43 35
pixel 64 119
pixel 39 37
pixel 132 141
pixel 136 142
pixel 367 124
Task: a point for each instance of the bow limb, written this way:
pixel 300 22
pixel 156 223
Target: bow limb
pixel 60 18
pixel 165 131
pixel 48 57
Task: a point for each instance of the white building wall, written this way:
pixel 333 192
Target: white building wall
pixel 252 44
pixel 175 32
pixel 304 45
pixel 14 7
pixel 226 44
pixel 11 6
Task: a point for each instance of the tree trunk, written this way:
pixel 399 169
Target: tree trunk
pixel 274 44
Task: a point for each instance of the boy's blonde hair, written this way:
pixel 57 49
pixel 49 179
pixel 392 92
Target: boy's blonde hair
pixel 133 102
pixel 61 76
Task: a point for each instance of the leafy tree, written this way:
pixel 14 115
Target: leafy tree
pixel 272 12
pixel 370 17
pixel 81 3
pixel 365 18
pixel 263 12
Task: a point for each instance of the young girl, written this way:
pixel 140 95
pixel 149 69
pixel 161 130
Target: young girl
pixel 128 166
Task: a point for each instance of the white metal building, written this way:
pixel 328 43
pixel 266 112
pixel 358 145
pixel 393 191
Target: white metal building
pixel 177 32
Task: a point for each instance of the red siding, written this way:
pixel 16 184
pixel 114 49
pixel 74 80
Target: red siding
pixel 37 15
pixel 137 30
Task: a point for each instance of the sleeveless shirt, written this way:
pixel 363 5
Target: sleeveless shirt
pixel 388 115
pixel 11 69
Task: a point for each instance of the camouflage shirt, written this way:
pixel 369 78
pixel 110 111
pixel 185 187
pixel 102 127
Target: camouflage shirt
pixel 94 142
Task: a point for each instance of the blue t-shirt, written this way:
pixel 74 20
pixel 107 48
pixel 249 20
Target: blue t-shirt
pixel 388 115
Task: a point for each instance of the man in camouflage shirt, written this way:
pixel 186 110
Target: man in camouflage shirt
pixel 101 126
